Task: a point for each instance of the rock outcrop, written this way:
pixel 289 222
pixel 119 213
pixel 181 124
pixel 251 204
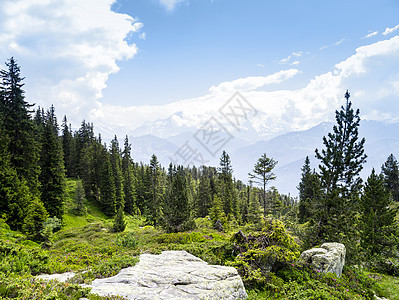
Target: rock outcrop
pixel 172 275
pixel 59 277
pixel 330 257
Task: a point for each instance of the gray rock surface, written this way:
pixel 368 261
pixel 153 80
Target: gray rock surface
pixel 172 275
pixel 59 277
pixel 329 258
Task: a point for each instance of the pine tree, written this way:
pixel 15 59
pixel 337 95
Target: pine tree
pixel 119 224
pixel 263 174
pixel 176 209
pixel 52 176
pixel 107 186
pixel 378 218
pixel 15 197
pixel 390 169
pixel 18 125
pixel 116 163
pixel 203 200
pixel 129 188
pixel 217 212
pixel 227 192
pixel 34 221
pixel 68 148
pixel 254 211
pixel 154 203
pixel 309 193
pixel 340 164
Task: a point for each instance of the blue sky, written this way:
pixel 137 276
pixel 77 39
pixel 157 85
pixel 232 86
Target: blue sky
pixel 202 42
pixel 123 64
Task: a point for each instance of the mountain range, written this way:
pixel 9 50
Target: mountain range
pixel 172 142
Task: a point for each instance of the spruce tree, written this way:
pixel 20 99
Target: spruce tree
pixel 116 163
pixel 309 193
pixel 378 217
pixel 341 161
pixel 18 125
pixel 107 186
pixel 15 197
pixel 68 148
pixel 34 221
pixel 263 174
pixel 390 169
pixel 227 192
pixel 129 187
pixel 154 202
pixel 52 176
pixel 176 208
pixel 203 200
pixel 119 224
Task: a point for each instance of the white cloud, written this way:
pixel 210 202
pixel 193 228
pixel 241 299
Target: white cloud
pixel 370 74
pixel 170 4
pixel 370 34
pixel 285 60
pixel 390 30
pixel 72 46
pixel 252 83
pixel 292 56
pixel 339 42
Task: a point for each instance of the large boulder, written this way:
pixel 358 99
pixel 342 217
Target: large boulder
pixel 172 275
pixel 330 257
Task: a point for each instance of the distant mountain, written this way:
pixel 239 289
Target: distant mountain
pixel 144 146
pixel 289 149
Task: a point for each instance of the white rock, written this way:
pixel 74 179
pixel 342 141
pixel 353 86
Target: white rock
pixel 59 277
pixel 172 275
pixel 329 258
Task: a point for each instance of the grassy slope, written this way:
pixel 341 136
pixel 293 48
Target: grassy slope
pixel 85 244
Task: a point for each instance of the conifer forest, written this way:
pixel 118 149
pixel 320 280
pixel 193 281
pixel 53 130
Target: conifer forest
pixel 71 202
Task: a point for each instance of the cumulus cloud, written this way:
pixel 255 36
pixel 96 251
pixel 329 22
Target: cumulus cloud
pixel 390 30
pixel 252 83
pixel 170 4
pixel 72 45
pixel 370 75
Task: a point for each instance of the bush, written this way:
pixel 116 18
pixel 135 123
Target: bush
pixel 261 253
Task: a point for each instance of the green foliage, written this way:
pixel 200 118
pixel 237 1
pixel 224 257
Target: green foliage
pixel 341 161
pixel 52 175
pixel 390 169
pixel 176 209
pixel 126 240
pixel 263 252
pixel 378 219
pixel 34 221
pixel 310 193
pixel 80 199
pixel 263 174
pixel 217 212
pixel 119 221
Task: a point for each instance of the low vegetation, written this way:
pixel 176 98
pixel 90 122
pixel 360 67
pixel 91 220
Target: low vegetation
pixel 69 202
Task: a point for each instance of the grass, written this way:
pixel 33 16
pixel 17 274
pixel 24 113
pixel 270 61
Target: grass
pixel 86 246
pixel 389 287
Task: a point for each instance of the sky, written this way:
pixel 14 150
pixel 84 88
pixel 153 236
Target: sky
pixel 128 63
